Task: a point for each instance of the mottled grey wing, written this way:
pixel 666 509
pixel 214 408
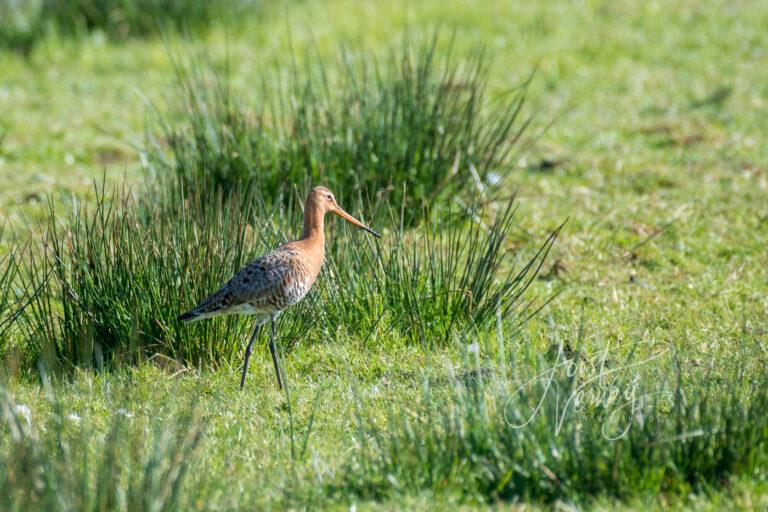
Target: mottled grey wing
pixel 261 279
pixel 253 286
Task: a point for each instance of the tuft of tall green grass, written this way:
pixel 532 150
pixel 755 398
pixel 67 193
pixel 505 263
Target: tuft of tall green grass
pixel 24 22
pixel 113 280
pixel 455 271
pixel 411 129
pixel 567 429
pixel 69 464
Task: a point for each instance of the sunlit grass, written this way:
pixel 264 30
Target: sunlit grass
pixel 407 130
pixel 570 426
pixel 500 424
pixel 68 463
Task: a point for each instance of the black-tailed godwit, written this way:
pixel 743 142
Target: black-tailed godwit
pixel 279 279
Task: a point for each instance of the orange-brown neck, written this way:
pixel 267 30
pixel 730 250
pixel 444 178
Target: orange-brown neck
pixel 313 224
pixel 312 243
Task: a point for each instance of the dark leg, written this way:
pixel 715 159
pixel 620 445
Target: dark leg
pixel 256 330
pixel 273 350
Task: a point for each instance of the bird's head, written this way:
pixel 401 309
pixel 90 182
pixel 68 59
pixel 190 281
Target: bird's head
pixel 324 200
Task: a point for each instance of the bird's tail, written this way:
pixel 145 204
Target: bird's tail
pixel 190 316
pixel 196 315
pixel 216 304
pixel 208 309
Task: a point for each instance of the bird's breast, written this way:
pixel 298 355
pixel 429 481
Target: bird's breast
pixel 295 283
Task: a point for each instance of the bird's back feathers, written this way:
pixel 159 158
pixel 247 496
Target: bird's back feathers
pixel 267 285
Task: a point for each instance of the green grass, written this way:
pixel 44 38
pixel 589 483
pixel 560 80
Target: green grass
pixel 656 158
pixel 116 275
pixel 408 130
pixel 503 434
pixel 23 24
pixel 81 468
pixel 554 431
pixel 10 305
pixel 452 274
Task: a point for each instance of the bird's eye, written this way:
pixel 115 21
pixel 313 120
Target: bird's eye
pixel 329 196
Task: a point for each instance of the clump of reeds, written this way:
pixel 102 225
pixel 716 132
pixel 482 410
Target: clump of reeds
pixel 408 130
pixel 455 271
pixel 114 278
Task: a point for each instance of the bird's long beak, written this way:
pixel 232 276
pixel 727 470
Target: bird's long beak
pixel 344 215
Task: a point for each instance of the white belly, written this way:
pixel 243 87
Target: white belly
pixel 246 309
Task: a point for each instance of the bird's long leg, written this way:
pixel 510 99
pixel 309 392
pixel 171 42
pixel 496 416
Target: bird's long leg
pixel 256 330
pixel 273 350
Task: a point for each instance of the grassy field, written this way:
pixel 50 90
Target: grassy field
pixel 646 135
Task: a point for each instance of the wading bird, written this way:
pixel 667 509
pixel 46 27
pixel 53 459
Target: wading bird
pixel 279 279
